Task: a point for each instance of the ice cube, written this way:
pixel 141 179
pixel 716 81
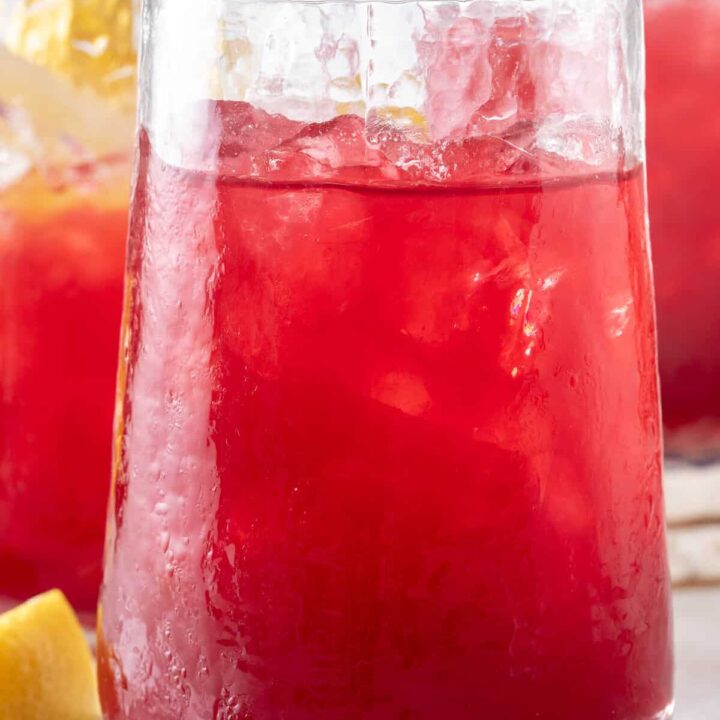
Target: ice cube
pixel 459 76
pixel 336 144
pixel 16 142
pixel 403 391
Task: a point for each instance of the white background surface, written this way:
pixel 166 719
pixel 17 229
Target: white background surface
pixel 697 648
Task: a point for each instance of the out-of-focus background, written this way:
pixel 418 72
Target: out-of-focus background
pixel 67 96
pixel 683 106
pixel 67 78
pixel 683 70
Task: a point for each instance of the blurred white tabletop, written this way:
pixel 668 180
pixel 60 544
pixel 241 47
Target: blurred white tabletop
pixel 697 648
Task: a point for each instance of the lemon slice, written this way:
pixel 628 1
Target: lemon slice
pixel 52 107
pixel 46 669
pixel 88 41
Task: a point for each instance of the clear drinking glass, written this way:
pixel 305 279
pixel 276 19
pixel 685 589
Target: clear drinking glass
pixel 67 79
pixel 388 442
pixel 684 180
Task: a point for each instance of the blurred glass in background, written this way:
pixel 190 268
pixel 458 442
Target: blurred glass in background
pixel 683 96
pixel 67 78
pixel 683 144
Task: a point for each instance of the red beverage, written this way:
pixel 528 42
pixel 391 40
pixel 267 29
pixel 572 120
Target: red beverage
pixel 389 449
pixel 61 275
pixel 683 72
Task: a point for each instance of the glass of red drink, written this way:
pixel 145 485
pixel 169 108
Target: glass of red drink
pixel 683 59
pixel 65 150
pixel 387 443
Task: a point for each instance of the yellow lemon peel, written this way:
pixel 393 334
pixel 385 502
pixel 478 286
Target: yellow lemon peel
pixel 46 668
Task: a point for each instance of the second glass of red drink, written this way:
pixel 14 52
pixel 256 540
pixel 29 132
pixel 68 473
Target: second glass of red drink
pixel 684 181
pixel 388 442
pixel 66 129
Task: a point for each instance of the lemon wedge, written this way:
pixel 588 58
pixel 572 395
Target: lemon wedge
pixel 88 41
pixel 46 668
